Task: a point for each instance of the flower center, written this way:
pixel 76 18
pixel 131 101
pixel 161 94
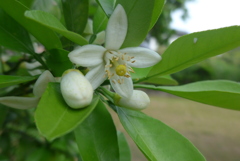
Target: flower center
pixel 121 70
pixel 117 67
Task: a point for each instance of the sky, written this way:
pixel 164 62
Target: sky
pixel 208 14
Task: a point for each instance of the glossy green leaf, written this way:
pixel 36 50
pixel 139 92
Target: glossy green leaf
pixel 139 13
pixel 43 34
pixel 162 80
pixel 75 14
pixel 158 6
pixel 124 150
pixel 155 139
pixel 107 6
pixel 8 80
pixel 97 137
pixel 54 117
pixel 140 73
pixel 51 6
pixel 220 93
pixel 58 61
pixel 100 21
pixel 53 23
pixel 27 3
pixel 13 35
pixel 193 48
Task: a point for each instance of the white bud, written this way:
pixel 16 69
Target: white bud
pixel 76 89
pixel 138 101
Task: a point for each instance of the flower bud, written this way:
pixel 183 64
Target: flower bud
pixel 138 101
pixel 76 89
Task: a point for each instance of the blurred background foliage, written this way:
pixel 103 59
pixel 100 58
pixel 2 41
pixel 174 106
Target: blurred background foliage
pixel 161 30
pixel 221 67
pixel 19 138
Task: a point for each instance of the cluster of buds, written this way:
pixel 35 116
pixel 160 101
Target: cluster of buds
pixel 78 92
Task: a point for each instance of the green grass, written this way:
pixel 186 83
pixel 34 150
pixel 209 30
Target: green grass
pixel 214 131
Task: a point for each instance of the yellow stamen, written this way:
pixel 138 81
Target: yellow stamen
pixel 121 70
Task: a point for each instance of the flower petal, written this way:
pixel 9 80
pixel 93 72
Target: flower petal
pixel 87 56
pixel 124 89
pixel 100 39
pixel 20 102
pixel 96 76
pixel 143 57
pixel 116 29
pixel 42 82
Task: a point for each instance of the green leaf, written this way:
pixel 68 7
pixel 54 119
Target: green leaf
pixel 220 93
pixel 51 6
pixel 58 61
pixel 193 48
pixel 97 137
pixel 124 150
pixel 27 3
pixel 155 139
pixel 139 13
pixel 48 20
pixel 100 21
pixel 75 14
pixel 162 80
pixel 8 80
pixel 44 35
pixel 13 35
pixel 54 117
pixel 140 73
pixel 107 6
pixel 158 6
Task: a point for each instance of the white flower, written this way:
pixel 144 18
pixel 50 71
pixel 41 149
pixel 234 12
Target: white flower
pixel 138 101
pixel 112 62
pixel 30 102
pixel 76 89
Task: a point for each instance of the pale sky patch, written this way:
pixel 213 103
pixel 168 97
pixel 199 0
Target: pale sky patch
pixel 208 14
